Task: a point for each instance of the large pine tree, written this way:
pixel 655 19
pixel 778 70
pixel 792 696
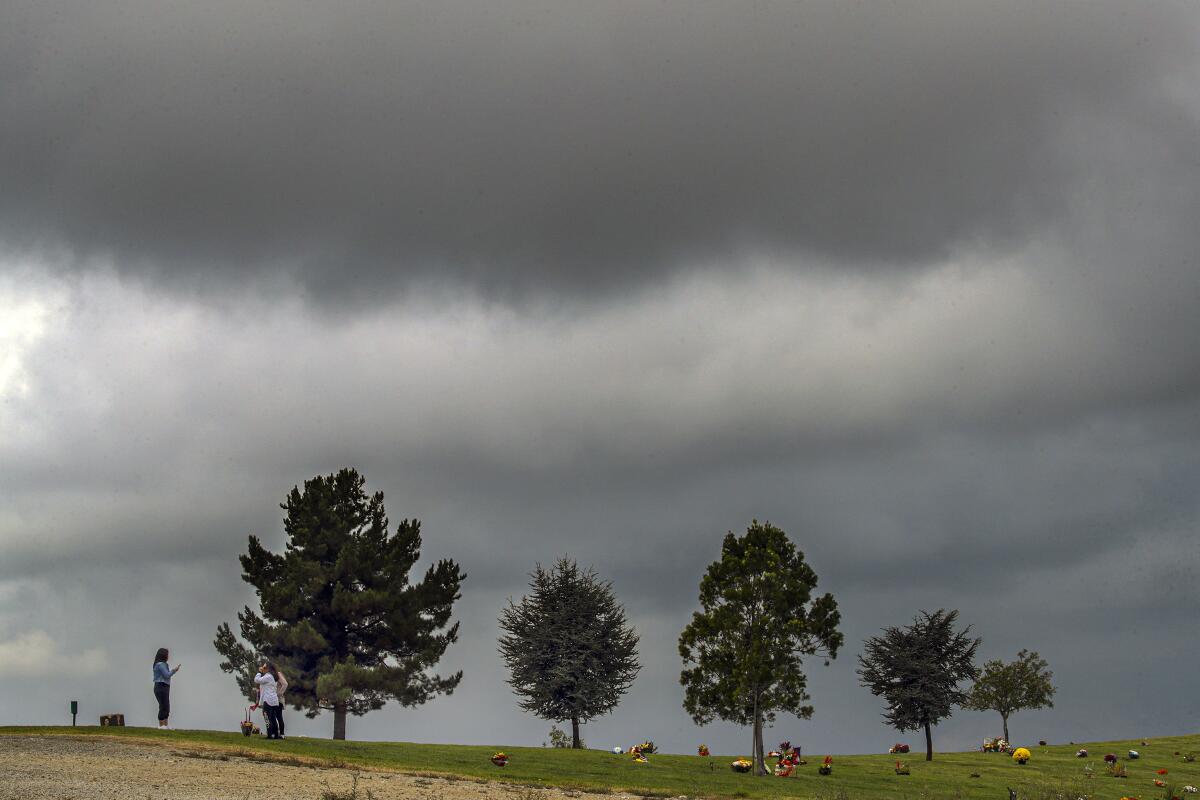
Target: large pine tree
pixel 743 650
pixel 338 613
pixel 570 653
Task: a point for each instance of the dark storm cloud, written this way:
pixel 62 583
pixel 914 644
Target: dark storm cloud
pixel 527 145
pixel 1007 421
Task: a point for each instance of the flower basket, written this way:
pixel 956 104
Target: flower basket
pixel 248 727
pixel 826 767
pixel 898 748
pixel 1021 755
pixel 1081 753
pixel 902 769
pixel 1134 755
pixel 1110 758
pixel 742 765
pixel 500 759
pixel 702 751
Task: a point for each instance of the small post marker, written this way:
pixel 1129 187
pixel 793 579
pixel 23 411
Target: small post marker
pixel 74 711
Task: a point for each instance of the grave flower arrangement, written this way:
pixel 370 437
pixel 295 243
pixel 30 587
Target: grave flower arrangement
pixel 702 750
pixel 898 748
pixel 500 759
pixel 902 768
pixel 742 765
pixel 826 767
pixel 1021 755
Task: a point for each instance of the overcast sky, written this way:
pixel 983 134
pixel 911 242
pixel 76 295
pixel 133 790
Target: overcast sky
pixel 916 282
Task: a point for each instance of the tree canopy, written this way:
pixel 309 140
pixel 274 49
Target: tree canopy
pixel 338 612
pixel 743 650
pixel 917 669
pixel 571 654
pixel 1018 685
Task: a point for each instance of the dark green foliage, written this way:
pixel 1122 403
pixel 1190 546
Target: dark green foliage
pixel 917 670
pixel 571 654
pixel 1007 688
pixel 743 651
pixel 339 615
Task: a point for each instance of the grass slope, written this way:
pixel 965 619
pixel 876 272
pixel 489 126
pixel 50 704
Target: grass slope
pixel 854 777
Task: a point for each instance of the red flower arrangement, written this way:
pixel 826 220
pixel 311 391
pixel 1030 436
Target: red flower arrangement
pixel 1162 772
pixel 500 759
pixel 1110 758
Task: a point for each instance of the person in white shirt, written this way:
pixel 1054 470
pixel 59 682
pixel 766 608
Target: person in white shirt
pixel 268 694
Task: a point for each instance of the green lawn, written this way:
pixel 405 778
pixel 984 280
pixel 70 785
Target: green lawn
pixel 864 776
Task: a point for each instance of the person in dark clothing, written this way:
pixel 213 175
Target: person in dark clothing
pixel 162 687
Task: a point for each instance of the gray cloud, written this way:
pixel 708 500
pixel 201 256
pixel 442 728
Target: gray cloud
pixel 917 284
pixel 534 146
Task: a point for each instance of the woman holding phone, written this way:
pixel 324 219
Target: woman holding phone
pixel 162 687
pixel 268 694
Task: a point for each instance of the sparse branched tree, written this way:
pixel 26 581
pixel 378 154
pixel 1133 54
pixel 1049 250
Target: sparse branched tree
pixel 917 670
pixel 1016 686
pixel 338 613
pixel 571 654
pixel 743 650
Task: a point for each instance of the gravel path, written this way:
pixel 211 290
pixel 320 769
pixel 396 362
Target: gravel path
pixel 82 768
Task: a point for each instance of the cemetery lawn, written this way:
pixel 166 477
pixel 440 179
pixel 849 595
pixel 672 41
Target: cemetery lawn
pixel 863 776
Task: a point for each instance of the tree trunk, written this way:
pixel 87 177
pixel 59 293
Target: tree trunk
pixel 1005 718
pixel 575 743
pixel 760 765
pixel 339 720
pixel 928 743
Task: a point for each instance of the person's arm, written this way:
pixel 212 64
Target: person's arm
pixel 177 666
pixel 263 677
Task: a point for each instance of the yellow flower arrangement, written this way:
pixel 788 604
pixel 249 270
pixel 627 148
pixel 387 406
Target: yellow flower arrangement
pixel 742 765
pixel 1021 755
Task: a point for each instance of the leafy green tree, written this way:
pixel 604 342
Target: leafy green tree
pixel 917 670
pixel 743 650
pixel 1015 686
pixel 571 654
pixel 339 614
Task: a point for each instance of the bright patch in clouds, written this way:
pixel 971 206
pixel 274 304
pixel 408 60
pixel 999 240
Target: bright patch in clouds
pixel 32 653
pixel 22 323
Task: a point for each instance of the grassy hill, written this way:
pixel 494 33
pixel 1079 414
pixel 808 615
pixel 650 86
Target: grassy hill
pixel 1053 769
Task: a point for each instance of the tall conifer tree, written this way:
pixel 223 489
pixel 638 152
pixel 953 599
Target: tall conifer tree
pixel 338 612
pixel 571 654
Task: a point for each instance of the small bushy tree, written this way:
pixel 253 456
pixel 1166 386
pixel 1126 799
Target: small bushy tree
pixel 917 670
pixel 1018 685
pixel 570 653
